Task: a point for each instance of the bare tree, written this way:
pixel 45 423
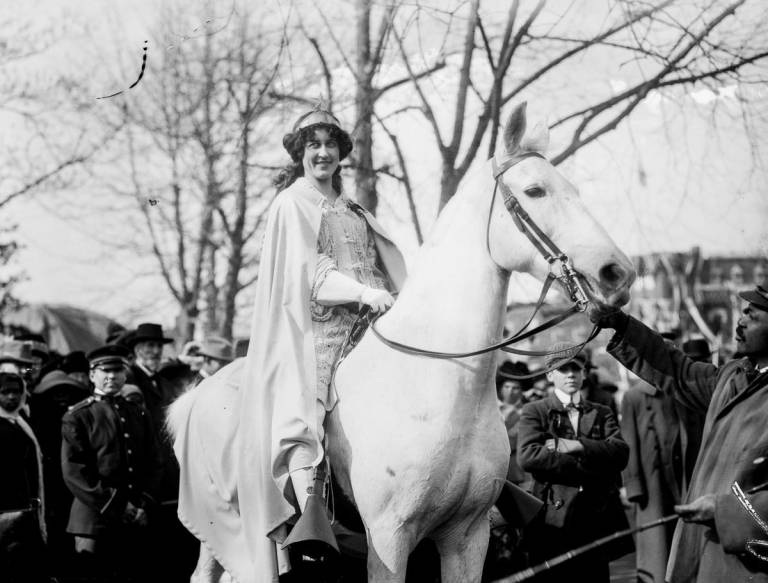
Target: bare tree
pixel 671 43
pixel 203 198
pixel 45 153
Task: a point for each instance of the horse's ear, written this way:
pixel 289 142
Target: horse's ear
pixel 537 139
pixel 515 128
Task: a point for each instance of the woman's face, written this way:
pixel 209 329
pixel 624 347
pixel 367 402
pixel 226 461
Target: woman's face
pixel 321 157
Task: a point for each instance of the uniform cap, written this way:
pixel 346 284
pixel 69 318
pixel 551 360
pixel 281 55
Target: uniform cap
pixel 111 354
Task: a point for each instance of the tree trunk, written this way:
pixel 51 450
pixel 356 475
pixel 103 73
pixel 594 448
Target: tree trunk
pixel 365 176
pixel 449 183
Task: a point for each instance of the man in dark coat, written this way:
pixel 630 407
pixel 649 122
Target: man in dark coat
pixel 110 463
pixel 176 548
pixel 21 489
pixel 710 543
pixel 51 398
pixel 574 450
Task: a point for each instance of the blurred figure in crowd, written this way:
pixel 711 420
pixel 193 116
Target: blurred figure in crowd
pixel 509 391
pixel 21 489
pixel 664 438
pixel 51 398
pixel 190 355
pixel 16 357
pixel 75 364
pixel 592 390
pixel 217 353
pixel 40 356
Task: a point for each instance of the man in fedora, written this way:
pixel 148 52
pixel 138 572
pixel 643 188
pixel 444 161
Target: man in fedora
pixel 176 548
pixel 574 450
pixel 16 357
pixel 710 543
pixel 217 353
pixel 147 343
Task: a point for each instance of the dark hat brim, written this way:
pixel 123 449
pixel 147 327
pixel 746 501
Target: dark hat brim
pixel 16 360
pixel 755 298
pixel 134 340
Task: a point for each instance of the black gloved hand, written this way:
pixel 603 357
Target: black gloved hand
pixel 608 317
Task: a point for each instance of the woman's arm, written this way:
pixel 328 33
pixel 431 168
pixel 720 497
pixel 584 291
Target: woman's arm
pixel 333 288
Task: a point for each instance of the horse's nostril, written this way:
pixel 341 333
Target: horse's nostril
pixel 612 275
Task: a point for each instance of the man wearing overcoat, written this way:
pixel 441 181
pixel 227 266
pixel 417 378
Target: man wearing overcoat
pixel 575 452
pixel 110 463
pixel 174 546
pixel 711 541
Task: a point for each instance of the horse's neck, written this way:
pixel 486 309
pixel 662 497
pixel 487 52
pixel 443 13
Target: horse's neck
pixel 455 295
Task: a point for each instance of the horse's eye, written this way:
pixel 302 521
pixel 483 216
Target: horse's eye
pixel 535 192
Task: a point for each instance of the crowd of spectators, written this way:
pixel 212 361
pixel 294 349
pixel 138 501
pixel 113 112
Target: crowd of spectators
pixel 90 483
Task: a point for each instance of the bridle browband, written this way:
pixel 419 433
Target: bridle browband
pixel 568 278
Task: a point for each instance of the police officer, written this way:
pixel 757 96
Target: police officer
pixel 110 463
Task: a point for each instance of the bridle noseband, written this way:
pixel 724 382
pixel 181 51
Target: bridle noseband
pixel 569 279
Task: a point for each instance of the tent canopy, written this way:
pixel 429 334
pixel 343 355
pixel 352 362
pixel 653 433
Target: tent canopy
pixel 66 328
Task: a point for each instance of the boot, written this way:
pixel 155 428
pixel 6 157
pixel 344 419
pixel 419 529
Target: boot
pixel 313 524
pixel 313 548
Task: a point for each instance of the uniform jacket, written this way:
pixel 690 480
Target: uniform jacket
pixel 580 491
pixel 734 447
pixel 663 438
pixel 109 457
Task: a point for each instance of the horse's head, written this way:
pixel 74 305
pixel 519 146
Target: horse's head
pixel 553 204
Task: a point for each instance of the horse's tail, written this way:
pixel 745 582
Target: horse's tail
pixel 178 412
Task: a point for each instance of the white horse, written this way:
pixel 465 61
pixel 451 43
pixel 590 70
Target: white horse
pixel 417 443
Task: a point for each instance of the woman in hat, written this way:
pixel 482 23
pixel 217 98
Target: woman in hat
pixel 323 258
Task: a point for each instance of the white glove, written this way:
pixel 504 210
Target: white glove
pixel 378 299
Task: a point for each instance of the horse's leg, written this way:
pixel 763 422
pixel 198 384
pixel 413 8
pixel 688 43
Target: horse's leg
pixel 208 569
pixel 392 568
pixel 462 551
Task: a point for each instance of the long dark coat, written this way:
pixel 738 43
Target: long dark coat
pixel 580 491
pixel 662 450
pixel 734 448
pixel 109 457
pixel 18 458
pixel 159 393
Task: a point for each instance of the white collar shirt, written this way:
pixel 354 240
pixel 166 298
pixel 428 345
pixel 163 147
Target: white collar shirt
pixel 573 414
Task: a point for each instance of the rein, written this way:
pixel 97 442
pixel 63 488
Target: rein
pixel 568 278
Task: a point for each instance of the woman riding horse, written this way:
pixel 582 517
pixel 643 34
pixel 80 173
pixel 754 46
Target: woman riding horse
pixel 323 257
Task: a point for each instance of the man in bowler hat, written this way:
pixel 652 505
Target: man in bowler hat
pixel 575 452
pixel 710 542
pixel 110 463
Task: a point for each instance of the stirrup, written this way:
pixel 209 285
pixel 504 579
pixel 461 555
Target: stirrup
pixel 313 526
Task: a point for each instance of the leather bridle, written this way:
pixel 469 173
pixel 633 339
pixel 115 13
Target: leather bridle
pixel 568 278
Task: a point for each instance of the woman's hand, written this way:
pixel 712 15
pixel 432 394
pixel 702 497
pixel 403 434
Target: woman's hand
pixel 379 299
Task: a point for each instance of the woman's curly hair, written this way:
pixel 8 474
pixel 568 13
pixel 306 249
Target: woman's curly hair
pixel 295 143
